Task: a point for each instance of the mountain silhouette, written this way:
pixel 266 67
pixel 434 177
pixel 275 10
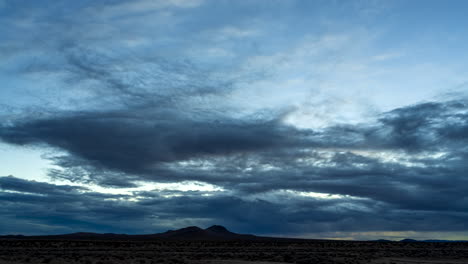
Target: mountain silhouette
pixel 218 229
pixel 409 240
pixel 431 240
pixel 215 232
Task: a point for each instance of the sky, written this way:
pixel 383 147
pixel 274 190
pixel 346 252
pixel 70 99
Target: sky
pixel 316 119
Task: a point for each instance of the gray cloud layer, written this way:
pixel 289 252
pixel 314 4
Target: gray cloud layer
pixel 406 171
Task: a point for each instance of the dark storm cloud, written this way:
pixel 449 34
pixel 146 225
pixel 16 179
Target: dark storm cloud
pixel 135 144
pixel 15 184
pixel 59 208
pixel 424 179
pixel 427 126
pixel 421 127
pixel 57 212
pixel 144 142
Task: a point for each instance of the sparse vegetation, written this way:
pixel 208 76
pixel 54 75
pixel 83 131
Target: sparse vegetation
pixel 228 252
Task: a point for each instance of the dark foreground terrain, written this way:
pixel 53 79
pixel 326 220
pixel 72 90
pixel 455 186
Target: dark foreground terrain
pixel 228 252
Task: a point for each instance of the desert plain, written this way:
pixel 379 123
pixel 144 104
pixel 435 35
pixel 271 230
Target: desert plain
pixel 229 252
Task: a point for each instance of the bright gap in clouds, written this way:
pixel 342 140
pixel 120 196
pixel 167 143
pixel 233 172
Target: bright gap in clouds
pixel 30 164
pixel 26 163
pixel 184 186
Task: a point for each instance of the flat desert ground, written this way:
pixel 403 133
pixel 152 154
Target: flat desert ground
pixel 229 252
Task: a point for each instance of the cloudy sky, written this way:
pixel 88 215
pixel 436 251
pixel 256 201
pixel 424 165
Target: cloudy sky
pixel 318 119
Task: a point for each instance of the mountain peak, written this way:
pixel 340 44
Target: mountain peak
pixel 218 229
pixel 408 240
pixel 191 228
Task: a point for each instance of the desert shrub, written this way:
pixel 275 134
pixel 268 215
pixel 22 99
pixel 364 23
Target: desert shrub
pixel 46 260
pixel 288 257
pixel 176 261
pixel 86 261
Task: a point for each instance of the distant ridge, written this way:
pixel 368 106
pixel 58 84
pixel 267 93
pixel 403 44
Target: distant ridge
pixel 215 232
pixel 431 240
pixel 409 240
